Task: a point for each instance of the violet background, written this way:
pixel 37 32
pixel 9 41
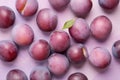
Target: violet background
pixel 27 64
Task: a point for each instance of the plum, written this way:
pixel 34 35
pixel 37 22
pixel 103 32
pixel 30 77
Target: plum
pixel 39 50
pixel 77 76
pixel 58 64
pixel 59 41
pixel 116 49
pixel 81 8
pixel 23 35
pixel 100 57
pixel 16 74
pixel 77 53
pixel 101 28
pixel 27 8
pixel 80 31
pixel 59 4
pixel 108 4
pixel 8 50
pixel 46 20
pixel 40 73
pixel 7 17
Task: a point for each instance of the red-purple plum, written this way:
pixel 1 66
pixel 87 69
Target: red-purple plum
pixel 46 20
pixel 27 8
pixel 100 57
pixel 108 4
pixel 77 76
pixel 116 49
pixel 59 4
pixel 59 41
pixel 39 50
pixel 8 50
pixel 81 8
pixel 40 73
pixel 58 64
pixel 101 28
pixel 23 35
pixel 7 17
pixel 16 74
pixel 80 31
pixel 77 53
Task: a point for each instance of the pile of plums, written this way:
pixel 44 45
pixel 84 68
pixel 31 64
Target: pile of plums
pixel 58 51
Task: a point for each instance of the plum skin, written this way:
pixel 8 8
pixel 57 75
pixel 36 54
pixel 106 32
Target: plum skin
pixel 39 50
pixel 40 73
pixel 108 4
pixel 59 4
pixel 80 31
pixel 116 49
pixel 16 74
pixel 59 41
pixel 46 20
pixel 81 8
pixel 58 64
pixel 23 6
pixel 77 53
pixel 22 35
pixel 100 57
pixel 7 17
pixel 77 76
pixel 101 28
pixel 8 50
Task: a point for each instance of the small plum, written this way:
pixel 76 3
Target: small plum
pixel 81 8
pixel 108 4
pixel 27 8
pixel 59 41
pixel 100 57
pixel 7 17
pixel 46 20
pixel 77 53
pixel 58 64
pixel 23 35
pixel 80 31
pixel 39 50
pixel 8 50
pixel 77 76
pixel 101 28
pixel 59 4
pixel 40 73
pixel 16 74
pixel 116 49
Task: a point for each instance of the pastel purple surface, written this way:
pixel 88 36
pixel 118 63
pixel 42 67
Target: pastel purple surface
pixel 27 64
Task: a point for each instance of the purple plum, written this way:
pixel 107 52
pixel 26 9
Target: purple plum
pixel 101 28
pixel 100 57
pixel 46 20
pixel 7 17
pixel 8 50
pixel 16 74
pixel 80 31
pixel 23 35
pixel 58 64
pixel 81 8
pixel 39 50
pixel 59 4
pixel 108 4
pixel 77 76
pixel 59 41
pixel 27 8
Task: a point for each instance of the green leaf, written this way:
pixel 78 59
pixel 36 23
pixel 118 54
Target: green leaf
pixel 68 24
